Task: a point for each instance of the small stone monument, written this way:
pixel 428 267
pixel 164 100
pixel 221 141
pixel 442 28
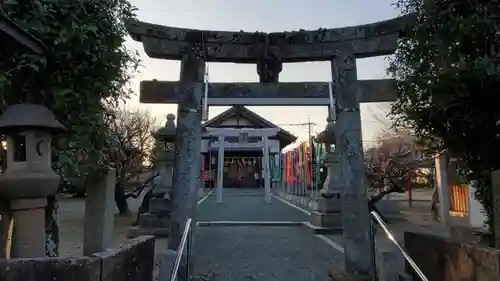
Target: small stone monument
pixel 156 221
pixel 29 177
pixel 328 217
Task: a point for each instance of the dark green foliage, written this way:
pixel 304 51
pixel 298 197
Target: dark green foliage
pixel 449 83
pixel 86 69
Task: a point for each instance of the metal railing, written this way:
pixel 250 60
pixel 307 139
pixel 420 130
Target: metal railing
pixel 184 241
pixel 391 237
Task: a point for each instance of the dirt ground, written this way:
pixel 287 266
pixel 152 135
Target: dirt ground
pixel 417 217
pixel 72 212
pixel 71 225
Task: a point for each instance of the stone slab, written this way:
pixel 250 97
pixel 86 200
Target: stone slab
pixel 446 259
pixel 138 29
pixel 249 223
pixel 160 205
pixel 390 263
pixel 329 205
pixel 166 261
pixel 283 93
pixel 51 269
pixel 132 261
pixel 322 230
pixel 404 277
pixel 338 273
pixel 136 231
pixel 363 47
pixel 99 213
pixel 149 220
pixel 5 222
pixel 327 220
pixel 372 39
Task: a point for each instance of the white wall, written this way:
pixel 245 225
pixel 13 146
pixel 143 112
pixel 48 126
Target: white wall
pixel 477 218
pixel 274 146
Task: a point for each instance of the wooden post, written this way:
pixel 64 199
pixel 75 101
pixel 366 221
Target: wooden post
pixel 495 186
pixel 410 195
pixel 443 187
pixel 220 170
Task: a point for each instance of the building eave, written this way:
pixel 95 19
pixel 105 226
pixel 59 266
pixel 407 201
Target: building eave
pixel 14 37
pixel 285 136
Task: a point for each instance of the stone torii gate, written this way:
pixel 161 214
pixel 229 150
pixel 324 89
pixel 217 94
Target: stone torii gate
pixel 340 46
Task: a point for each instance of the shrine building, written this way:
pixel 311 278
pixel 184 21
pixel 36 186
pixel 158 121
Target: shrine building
pixel 234 148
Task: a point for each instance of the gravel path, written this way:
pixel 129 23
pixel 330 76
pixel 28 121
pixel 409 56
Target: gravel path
pixel 261 253
pixel 247 205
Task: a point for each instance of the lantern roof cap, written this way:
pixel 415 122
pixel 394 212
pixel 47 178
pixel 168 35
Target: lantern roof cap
pixel 328 134
pixel 168 131
pixel 25 116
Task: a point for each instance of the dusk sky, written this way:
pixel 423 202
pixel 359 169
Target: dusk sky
pixel 266 16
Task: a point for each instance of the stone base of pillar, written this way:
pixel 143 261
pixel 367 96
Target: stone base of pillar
pixel 155 222
pixel 338 273
pixel 328 218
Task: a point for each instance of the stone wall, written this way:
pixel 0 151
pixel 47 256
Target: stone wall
pixel 132 261
pixel 444 259
pixel 4 228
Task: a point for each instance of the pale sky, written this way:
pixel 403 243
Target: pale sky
pixel 266 16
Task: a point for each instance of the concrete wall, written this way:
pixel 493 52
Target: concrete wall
pixel 132 261
pixel 443 259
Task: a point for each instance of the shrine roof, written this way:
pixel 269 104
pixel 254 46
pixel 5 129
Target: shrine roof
pixel 13 37
pixel 256 120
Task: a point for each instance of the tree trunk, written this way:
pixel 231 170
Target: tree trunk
pixel 144 208
pixel 52 227
pixel 434 203
pixel 435 195
pixel 120 199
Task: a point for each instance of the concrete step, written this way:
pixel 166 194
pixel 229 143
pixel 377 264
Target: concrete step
pixel 138 231
pixel 326 220
pixel 403 276
pixel 149 220
pixel 160 205
pixel 323 230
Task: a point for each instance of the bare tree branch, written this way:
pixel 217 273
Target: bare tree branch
pixel 130 134
pixel 391 164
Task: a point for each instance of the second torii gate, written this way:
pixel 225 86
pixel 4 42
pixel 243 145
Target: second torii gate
pixel 221 133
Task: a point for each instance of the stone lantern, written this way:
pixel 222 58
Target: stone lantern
pixel 328 216
pixel 157 220
pixel 164 156
pixel 29 177
pixel 330 159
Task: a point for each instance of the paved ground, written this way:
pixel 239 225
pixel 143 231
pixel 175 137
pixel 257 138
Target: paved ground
pixel 247 205
pixel 262 253
pixel 227 253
